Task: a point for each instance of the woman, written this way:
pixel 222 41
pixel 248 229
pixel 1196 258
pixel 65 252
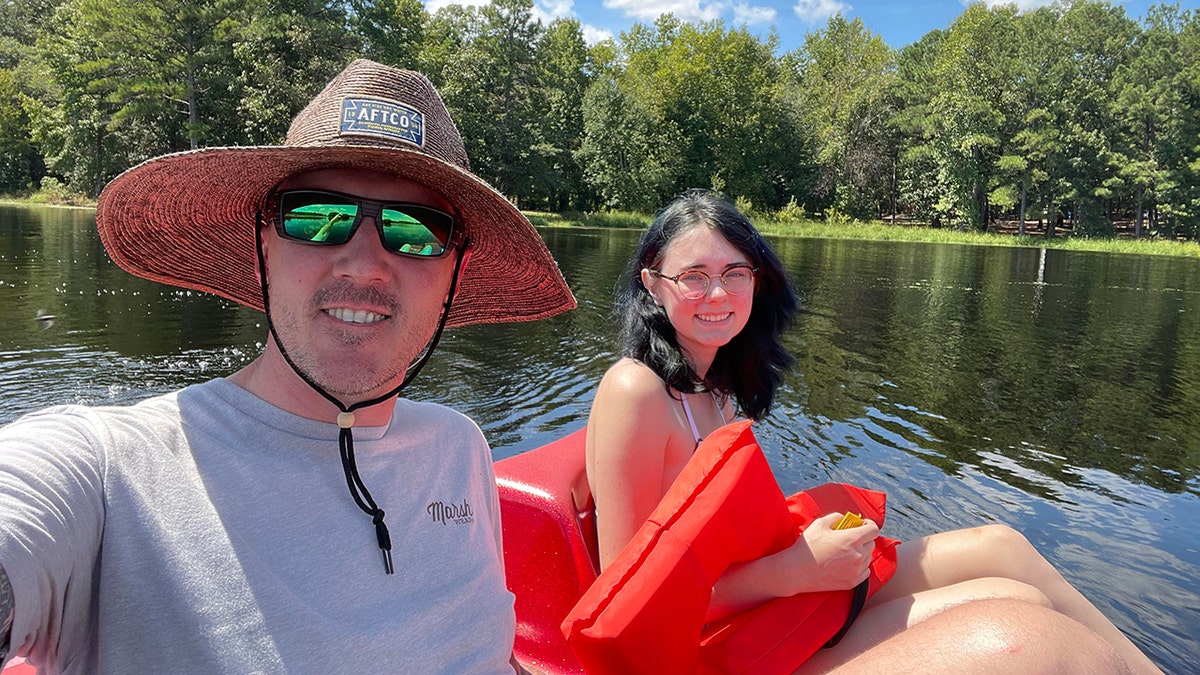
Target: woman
pixel 702 314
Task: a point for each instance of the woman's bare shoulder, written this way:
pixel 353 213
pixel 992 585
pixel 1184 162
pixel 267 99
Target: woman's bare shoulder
pixel 629 378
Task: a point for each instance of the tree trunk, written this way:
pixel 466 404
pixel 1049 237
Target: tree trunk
pixel 980 196
pixel 892 196
pixel 1024 197
pixel 193 121
pixel 1137 223
pixel 193 116
pixel 98 180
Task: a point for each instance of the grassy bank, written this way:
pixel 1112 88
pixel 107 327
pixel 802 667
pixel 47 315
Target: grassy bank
pixel 52 193
pixel 878 231
pixel 81 204
pixel 820 229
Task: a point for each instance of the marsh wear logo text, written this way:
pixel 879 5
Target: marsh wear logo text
pixel 459 514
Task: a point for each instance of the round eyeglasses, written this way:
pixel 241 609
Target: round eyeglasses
pixel 693 284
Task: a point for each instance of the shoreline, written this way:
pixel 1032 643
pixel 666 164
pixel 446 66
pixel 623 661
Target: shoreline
pixel 10 201
pixel 817 229
pixel 908 232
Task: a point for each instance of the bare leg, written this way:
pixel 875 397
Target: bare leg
pixel 882 621
pixel 984 636
pixel 950 558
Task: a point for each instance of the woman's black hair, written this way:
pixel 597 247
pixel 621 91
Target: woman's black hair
pixel 751 366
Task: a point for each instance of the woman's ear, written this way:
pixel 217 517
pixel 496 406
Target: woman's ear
pixel 647 278
pixel 650 283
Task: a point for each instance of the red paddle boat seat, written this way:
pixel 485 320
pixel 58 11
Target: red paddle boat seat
pixel 550 553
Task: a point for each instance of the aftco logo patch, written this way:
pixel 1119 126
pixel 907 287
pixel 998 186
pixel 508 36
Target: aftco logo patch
pixel 383 119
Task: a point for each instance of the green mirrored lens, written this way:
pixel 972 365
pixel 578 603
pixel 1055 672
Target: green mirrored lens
pixel 321 222
pixel 404 232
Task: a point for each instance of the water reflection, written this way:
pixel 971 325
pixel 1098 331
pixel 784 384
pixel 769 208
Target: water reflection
pixel 1052 391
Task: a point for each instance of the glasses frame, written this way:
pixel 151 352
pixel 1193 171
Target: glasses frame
pixel 707 280
pixel 367 207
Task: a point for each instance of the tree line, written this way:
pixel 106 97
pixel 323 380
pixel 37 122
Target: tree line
pixel 1073 113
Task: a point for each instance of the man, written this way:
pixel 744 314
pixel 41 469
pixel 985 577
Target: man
pixel 210 530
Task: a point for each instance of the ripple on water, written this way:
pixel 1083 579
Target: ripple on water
pixel 77 375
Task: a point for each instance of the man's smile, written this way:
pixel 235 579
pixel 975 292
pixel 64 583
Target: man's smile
pixel 354 315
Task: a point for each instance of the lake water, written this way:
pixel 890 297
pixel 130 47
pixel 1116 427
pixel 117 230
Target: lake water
pixel 1056 392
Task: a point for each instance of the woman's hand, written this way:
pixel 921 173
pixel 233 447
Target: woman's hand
pixel 822 559
pixel 825 559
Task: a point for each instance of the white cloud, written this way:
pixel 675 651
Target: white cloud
pixel 545 10
pixel 551 11
pixel 752 14
pixel 555 9
pixel 1022 5
pixel 592 35
pixel 432 6
pixel 558 9
pixel 684 10
pixel 814 12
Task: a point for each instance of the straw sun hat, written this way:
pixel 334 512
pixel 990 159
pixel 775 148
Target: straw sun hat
pixel 188 219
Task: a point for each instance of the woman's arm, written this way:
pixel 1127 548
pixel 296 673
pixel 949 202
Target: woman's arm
pixel 627 437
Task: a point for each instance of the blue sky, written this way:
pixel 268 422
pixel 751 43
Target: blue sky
pixel 899 23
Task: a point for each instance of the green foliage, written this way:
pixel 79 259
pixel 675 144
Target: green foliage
pixel 21 21
pixel 747 208
pixel 53 192
pixel 689 105
pixel 285 53
pixel 392 31
pixel 791 213
pixel 844 74
pixel 630 220
pixel 630 155
pixel 977 65
pixel 19 160
pixel 490 86
pixel 918 182
pixel 837 218
pixel 878 231
pixel 563 65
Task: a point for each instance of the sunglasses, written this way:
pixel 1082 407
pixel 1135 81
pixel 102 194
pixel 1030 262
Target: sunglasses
pixel 331 218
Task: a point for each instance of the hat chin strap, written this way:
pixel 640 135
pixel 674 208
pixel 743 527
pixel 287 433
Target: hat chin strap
pixel 345 418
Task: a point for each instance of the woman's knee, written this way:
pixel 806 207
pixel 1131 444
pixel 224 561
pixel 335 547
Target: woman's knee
pixel 1006 552
pixel 1003 588
pixel 1014 635
pixel 1001 538
pixel 987 636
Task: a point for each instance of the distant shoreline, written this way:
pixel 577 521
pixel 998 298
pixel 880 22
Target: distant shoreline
pixel 881 231
pixel 13 201
pixel 817 229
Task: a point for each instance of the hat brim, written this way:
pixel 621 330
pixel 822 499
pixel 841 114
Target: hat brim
pixel 188 220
